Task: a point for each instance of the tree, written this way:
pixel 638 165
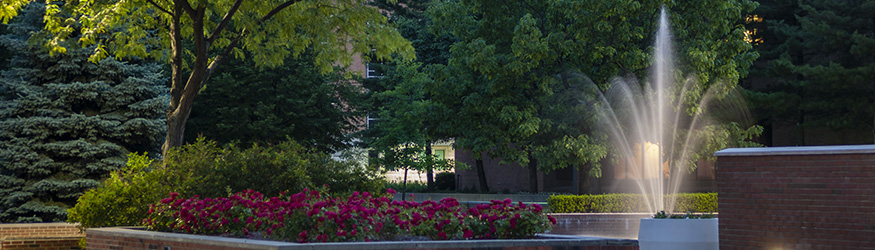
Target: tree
pixel 66 123
pixel 9 9
pixel 294 100
pixel 198 37
pixel 409 120
pixel 817 67
pixel 510 68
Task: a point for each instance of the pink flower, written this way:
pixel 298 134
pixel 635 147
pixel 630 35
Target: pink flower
pixel 442 235
pixel 467 234
pixel 391 191
pixel 302 237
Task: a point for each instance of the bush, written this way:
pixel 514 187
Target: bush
pixel 625 203
pixel 123 199
pixel 412 186
pixel 445 181
pixel 207 170
pixel 312 216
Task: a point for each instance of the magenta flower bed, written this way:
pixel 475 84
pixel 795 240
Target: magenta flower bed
pixel 312 216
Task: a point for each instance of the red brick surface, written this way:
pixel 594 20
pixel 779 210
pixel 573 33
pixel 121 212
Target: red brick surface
pixel 48 236
pixel 797 201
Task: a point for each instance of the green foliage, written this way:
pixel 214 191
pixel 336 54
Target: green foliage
pixel 696 202
pixel 9 9
pixel 624 203
pixel 247 104
pixel 402 100
pixel 518 70
pixel 817 68
pixel 411 187
pixel 65 123
pixel 197 37
pixel 123 199
pixel 204 168
pixel 209 170
pixel 445 181
pixel 335 30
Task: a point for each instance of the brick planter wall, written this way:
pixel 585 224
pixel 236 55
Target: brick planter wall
pixel 797 197
pixel 56 235
pixel 134 239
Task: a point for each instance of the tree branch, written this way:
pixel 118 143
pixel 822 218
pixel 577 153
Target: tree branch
pixel 224 56
pixel 227 18
pixel 277 10
pixel 159 7
pixel 186 7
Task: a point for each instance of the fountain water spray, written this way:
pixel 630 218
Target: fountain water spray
pixel 654 133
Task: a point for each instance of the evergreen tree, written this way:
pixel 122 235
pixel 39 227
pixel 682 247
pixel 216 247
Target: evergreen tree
pixel 817 67
pixel 65 123
pixel 248 104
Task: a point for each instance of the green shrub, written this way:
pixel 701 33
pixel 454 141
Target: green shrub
pixel 207 170
pixel 123 199
pixel 412 186
pixel 203 168
pixel 445 181
pixel 696 202
pixel 624 203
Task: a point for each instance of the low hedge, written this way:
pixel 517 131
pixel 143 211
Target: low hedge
pixel 627 203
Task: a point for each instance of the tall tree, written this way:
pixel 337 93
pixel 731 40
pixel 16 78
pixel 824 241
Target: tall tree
pixel 817 66
pixel 66 123
pixel 295 100
pixel 409 120
pixel 270 30
pixel 508 72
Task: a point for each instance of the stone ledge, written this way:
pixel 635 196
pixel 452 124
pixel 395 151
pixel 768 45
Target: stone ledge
pixel 802 150
pixel 548 240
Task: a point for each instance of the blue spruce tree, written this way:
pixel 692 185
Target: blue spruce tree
pixel 65 123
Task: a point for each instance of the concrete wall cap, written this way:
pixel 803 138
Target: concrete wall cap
pixel 800 150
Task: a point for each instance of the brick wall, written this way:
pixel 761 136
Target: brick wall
pixel 797 197
pixel 131 239
pixel 54 235
pixel 502 178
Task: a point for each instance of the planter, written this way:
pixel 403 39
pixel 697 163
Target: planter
pixel 698 234
pixel 120 238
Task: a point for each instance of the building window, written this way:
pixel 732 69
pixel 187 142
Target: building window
pixel 439 154
pixel 374 70
pixel 371 122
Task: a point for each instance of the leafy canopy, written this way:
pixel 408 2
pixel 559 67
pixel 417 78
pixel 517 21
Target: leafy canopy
pixel 516 63
pixel 270 30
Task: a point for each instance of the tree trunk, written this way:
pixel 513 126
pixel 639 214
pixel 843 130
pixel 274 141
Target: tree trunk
pixel 533 174
pixel 429 168
pixel 481 173
pixel 182 96
pixel 177 84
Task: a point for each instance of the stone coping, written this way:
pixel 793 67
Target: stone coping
pixel 547 240
pixel 801 150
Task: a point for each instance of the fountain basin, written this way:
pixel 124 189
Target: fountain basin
pixel 693 234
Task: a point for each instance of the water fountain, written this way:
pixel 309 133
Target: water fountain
pixel 654 130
